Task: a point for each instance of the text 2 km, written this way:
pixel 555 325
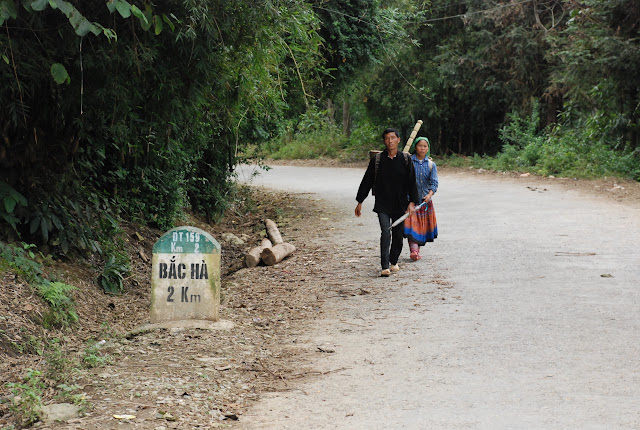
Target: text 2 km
pixel 185 297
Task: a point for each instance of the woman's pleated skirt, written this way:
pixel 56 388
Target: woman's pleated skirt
pixel 421 227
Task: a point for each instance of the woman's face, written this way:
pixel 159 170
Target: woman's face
pixel 422 147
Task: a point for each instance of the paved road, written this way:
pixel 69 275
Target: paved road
pixel 524 315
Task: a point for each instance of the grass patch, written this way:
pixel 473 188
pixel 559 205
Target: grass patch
pixel 24 262
pixel 576 152
pixel 27 400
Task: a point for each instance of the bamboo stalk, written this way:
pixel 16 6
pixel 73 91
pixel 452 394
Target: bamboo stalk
pixel 413 136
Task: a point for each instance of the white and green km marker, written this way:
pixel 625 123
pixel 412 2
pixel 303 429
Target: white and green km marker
pixel 185 283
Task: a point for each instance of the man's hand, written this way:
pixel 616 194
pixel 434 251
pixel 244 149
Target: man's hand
pixel 412 208
pixel 359 209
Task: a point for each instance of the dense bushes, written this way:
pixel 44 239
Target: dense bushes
pixel 546 87
pixel 136 112
pixel 582 151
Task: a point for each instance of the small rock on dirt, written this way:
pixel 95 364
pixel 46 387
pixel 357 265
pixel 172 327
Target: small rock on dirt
pixel 59 412
pixel 232 239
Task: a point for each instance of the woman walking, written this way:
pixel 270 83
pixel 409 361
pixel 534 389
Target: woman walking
pixel 421 226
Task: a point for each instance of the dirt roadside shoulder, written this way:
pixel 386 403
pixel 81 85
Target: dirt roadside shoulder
pixel 190 377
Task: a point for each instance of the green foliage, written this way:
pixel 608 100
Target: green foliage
pixel 27 403
pixel 29 345
pixel 64 221
pixel 10 199
pixel 28 394
pixel 57 371
pixel 60 74
pixel 61 305
pixel 311 136
pixel 56 294
pixel 22 260
pixel 154 196
pixel 365 136
pixel 58 365
pixel 67 393
pixel 456 160
pixel 92 357
pixel 148 122
pixel 81 25
pixel 521 132
pixel 116 260
pixel 522 142
pixel 599 49
pixel 112 277
pixel 308 146
pixel 7 10
pixel 351 31
pixel 582 151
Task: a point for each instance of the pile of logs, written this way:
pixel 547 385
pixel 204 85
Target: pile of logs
pixel 271 250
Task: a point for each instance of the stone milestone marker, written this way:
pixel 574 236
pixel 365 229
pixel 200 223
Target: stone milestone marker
pixel 185 284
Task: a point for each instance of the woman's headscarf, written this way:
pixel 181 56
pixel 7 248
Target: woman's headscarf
pixel 415 142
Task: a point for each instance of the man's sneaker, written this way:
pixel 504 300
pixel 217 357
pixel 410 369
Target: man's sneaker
pixel 394 267
pixel 385 272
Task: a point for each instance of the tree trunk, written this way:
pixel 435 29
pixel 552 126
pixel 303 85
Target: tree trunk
pixel 331 112
pixel 277 253
pixel 252 259
pixel 554 105
pixel 273 232
pixel 346 119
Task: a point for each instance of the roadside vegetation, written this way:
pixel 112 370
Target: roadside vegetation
pixel 127 110
pixel 582 152
pixel 544 87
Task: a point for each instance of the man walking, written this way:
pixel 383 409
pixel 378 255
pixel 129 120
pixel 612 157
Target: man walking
pixel 392 179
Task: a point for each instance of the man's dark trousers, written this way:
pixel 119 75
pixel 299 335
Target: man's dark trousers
pixel 390 240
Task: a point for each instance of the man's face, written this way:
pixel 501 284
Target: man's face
pixel 391 141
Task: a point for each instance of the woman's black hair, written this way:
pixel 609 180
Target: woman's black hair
pixel 390 130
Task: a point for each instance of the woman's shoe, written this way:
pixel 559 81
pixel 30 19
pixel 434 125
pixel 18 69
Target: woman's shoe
pixel 415 256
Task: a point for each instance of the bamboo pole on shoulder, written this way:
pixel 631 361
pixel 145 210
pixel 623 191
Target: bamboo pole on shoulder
pixel 413 135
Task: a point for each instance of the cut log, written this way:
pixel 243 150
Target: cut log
pixel 277 253
pixel 253 256
pixel 273 232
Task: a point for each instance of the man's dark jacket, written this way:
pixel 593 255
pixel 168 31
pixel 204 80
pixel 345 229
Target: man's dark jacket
pixel 394 185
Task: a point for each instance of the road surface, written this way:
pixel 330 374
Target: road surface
pixel 523 314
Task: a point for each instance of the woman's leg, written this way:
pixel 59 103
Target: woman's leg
pixel 415 250
pixel 413 246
